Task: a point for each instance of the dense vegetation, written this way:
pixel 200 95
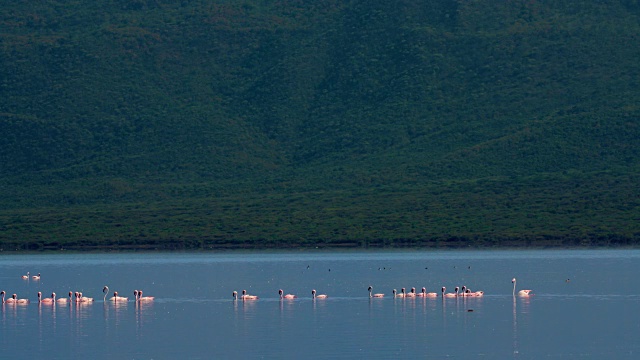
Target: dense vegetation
pixel 218 123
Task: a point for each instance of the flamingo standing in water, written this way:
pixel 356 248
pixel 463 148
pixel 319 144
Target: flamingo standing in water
pixel 50 300
pixel 318 296
pixel 523 293
pixel 374 295
pixel 141 298
pixel 246 296
pixel 25 277
pixel 287 296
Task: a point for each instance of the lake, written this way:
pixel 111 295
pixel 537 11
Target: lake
pixel 585 305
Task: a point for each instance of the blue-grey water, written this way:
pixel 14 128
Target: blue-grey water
pixel 586 305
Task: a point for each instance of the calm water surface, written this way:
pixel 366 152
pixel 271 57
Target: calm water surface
pixel 586 305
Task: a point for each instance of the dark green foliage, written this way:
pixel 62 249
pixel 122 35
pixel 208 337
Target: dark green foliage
pixel 199 124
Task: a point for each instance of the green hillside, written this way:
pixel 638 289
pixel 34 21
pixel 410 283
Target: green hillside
pixel 162 124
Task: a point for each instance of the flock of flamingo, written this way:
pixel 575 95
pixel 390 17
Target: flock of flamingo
pixel 76 296
pixel 79 298
pixel 458 292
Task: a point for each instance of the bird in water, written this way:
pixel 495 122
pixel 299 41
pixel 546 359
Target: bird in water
pixel 371 295
pixel 246 296
pixel 50 300
pixel 139 297
pixel 523 293
pixel 287 296
pixel 317 296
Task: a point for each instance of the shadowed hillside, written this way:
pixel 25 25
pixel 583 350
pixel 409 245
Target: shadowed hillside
pixel 319 123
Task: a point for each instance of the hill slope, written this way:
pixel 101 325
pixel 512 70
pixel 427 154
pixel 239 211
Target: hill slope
pixel 150 123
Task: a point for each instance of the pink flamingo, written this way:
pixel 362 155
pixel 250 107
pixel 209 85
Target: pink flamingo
pixel 246 296
pixel 12 300
pixel 36 277
pixel 429 294
pixel 25 277
pixel 116 298
pixel 374 295
pixel 19 301
pixel 523 293
pixel 398 295
pixel 466 292
pixel 450 295
pixel 50 300
pixel 411 293
pixel 287 296
pixel 61 300
pixel 139 297
pixel 84 299
pixel 424 293
pixel 319 296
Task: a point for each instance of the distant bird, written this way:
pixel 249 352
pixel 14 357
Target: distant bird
pixel 523 293
pixel 466 292
pixel 19 301
pixel 61 300
pixel 246 296
pixel 50 300
pixel 9 301
pixel 117 298
pixel 105 290
pixel 411 293
pixel 36 277
pixel 398 295
pixel 318 296
pixel 374 295
pixel 141 298
pixel 287 296
pixel 429 294
pixel 454 294
pixel 82 299
pixel 25 277
pixel 470 293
